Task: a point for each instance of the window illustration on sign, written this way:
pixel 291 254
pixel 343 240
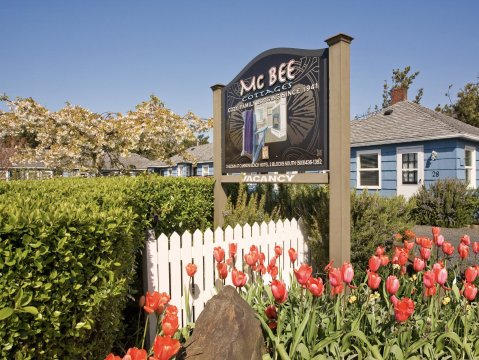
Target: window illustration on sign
pixel 275 113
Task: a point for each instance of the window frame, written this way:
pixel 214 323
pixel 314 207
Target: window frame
pixel 359 169
pixel 203 166
pixel 472 183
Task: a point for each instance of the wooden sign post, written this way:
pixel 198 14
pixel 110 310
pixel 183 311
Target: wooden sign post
pixel 331 156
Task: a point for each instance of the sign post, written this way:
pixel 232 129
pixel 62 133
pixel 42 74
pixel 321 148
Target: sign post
pixel 288 111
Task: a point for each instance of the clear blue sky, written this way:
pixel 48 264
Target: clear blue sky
pixel 108 55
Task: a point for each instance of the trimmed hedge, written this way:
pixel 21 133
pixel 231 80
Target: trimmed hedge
pixel 67 256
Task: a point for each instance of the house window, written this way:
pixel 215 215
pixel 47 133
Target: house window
pixel 205 170
pixel 470 166
pixel 409 168
pixel 369 169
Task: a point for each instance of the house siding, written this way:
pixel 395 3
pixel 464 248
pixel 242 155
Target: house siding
pixel 448 165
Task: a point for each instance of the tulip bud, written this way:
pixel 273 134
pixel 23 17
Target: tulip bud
pixel 440 240
pixel 429 279
pixel 418 264
pixel 373 280
pixel 470 291
pixel 278 250
pixel 374 263
pixel 447 248
pixel 425 253
pixel 347 273
pixel 475 247
pixel 392 285
pixel 470 274
pixel 466 240
pixel 463 250
pixel 141 301
pixel 293 255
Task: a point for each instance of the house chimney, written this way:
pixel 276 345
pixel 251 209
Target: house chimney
pixel 398 94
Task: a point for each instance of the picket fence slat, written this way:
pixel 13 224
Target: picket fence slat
pixel 166 260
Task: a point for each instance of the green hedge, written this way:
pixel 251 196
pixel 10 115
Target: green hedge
pixel 67 257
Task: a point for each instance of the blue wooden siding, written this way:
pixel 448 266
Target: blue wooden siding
pixel 449 163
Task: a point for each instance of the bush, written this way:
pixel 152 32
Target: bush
pixel 445 203
pixel 67 257
pixel 374 219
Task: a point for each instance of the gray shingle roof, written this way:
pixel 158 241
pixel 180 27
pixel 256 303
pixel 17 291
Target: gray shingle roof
pixel 197 154
pixel 134 161
pixel 406 123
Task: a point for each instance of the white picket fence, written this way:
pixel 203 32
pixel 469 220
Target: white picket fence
pixel 166 259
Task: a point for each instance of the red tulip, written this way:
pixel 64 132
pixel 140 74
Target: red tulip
pixel 219 253
pixel 374 263
pixel 429 279
pixel 403 309
pixel 191 269
pixel 425 253
pixel 447 248
pixel 335 290
pixel 470 291
pixel 165 347
pixel 271 312
pixel 273 271
pixel 440 240
pixel 400 256
pixel 293 255
pixel 156 302
pixel 347 273
pixel 463 250
pixel 262 258
pixel 233 247
pixel 222 270
pixel 408 245
pixel 409 234
pixel 392 285
pixel 278 250
pixel 169 324
pixel 418 264
pixel 379 251
pixel 315 286
pixel 272 261
pixel 251 258
pixel 239 278
pixel 335 278
pixel 384 260
pixel 136 354
pixel 112 357
pixel 303 274
pixel 272 325
pixel 373 280
pixel 470 274
pixel 430 291
pixel 475 247
pixel 436 231
pixel 171 310
pixel 466 240
pixel 441 276
pixel 278 288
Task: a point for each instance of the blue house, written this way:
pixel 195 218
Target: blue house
pixel 399 148
pixel 197 162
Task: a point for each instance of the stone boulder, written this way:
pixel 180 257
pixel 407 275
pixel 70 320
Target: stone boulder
pixel 226 329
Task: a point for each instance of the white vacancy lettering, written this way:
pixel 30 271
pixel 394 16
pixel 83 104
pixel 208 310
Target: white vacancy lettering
pixel 280 178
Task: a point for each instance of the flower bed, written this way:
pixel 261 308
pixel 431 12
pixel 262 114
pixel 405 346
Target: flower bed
pixel 414 303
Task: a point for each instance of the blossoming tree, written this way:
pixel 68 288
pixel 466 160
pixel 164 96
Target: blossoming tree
pixel 74 138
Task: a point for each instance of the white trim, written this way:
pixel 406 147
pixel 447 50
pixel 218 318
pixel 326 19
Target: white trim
pixel 358 169
pixel 409 189
pixel 412 140
pixel 472 183
pixel 203 173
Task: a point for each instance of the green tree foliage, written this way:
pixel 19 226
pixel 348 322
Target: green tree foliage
pixel 466 106
pixel 400 79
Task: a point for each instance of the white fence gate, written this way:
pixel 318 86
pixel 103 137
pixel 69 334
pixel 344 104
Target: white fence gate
pixel 166 259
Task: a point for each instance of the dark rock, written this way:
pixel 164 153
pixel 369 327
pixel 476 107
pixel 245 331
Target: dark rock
pixel 226 329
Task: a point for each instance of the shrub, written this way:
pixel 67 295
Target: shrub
pixel 67 257
pixel 445 203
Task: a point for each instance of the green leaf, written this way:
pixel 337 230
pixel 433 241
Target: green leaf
pixel 30 309
pixel 396 350
pixel 6 313
pixel 303 350
pixel 298 335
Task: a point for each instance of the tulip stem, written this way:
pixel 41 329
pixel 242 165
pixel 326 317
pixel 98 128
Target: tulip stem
pixel 144 332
